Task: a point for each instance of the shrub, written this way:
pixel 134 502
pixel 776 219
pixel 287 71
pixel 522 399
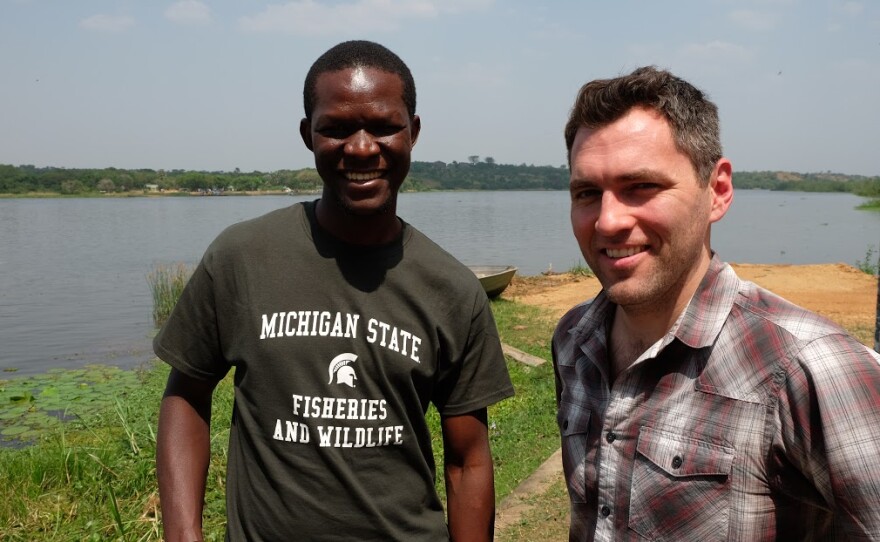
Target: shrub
pixel 869 264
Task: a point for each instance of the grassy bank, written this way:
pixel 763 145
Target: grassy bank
pixel 93 478
pixel 870 205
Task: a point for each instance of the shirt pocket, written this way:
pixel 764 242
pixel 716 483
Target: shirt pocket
pixel 680 487
pixel 574 426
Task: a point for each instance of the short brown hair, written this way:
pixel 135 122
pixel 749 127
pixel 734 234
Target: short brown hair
pixel 690 113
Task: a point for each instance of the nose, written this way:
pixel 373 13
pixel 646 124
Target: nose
pixel 614 215
pixel 361 143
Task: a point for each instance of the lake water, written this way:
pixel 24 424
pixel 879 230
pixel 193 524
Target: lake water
pixel 73 286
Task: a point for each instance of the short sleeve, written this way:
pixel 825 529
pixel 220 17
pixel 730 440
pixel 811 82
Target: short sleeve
pixel 189 339
pixel 477 376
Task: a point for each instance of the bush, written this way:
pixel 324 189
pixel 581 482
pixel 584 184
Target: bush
pixel 870 264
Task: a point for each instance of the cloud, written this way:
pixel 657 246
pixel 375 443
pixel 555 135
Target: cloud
pixel 309 17
pixel 753 20
pixel 852 8
pixel 107 23
pixel 189 12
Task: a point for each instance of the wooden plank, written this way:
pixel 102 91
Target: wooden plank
pixel 521 356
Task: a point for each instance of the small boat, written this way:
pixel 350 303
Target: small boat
pixel 494 278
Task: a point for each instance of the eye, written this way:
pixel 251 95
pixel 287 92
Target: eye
pixel 585 193
pixel 384 130
pixel 335 131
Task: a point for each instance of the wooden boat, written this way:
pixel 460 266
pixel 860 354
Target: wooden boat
pixel 494 278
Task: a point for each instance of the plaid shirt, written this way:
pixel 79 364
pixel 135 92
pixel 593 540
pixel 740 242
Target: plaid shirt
pixel 751 420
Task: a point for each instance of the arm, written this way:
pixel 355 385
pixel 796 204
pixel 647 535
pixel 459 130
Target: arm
pixel 469 474
pixel 830 431
pixel 183 451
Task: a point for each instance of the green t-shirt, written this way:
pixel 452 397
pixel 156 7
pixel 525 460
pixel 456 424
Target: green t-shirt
pixel 338 351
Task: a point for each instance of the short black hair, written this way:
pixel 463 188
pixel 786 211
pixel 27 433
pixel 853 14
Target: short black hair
pixel 363 54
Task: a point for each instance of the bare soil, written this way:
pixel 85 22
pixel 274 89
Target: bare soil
pixel 838 291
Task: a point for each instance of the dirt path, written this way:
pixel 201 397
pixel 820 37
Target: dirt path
pixel 838 291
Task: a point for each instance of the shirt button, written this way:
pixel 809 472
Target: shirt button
pixel 676 462
pixel 606 511
pixel 610 436
pixel 565 424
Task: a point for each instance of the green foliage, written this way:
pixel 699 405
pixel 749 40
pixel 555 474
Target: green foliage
pixel 31 405
pixel 870 205
pixel 471 175
pixel 166 284
pixel 870 264
pixel 487 175
pixel 807 182
pixel 581 269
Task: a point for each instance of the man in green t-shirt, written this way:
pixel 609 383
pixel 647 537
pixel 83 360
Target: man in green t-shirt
pixel 342 323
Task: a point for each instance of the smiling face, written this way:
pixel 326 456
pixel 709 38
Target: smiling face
pixel 362 137
pixel 640 214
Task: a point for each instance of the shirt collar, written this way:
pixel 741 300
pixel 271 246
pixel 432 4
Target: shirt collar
pixel 701 321
pixel 708 309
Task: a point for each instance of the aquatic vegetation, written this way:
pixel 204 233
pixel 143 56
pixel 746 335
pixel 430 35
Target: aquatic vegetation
pixel 166 284
pixel 32 405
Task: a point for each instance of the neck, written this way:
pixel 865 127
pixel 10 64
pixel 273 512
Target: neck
pixel 635 328
pixel 376 229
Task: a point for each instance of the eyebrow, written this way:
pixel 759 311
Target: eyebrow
pixel 641 174
pixel 645 174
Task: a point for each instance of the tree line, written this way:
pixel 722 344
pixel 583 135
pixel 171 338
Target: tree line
pixel 475 174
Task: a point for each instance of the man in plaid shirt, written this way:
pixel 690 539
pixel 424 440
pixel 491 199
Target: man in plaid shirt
pixel 694 405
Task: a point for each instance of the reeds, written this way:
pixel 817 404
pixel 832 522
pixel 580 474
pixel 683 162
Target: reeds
pixel 166 284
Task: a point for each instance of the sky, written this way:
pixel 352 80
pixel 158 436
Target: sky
pixel 217 85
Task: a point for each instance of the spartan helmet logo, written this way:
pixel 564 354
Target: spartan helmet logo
pixel 340 367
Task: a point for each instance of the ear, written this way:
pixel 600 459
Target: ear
pixel 414 129
pixel 305 131
pixel 721 186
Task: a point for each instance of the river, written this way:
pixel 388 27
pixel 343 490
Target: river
pixel 73 286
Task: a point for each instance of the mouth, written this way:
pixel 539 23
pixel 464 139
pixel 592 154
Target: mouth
pixel 362 176
pixel 617 253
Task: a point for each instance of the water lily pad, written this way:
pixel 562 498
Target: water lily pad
pixel 37 403
pixel 19 398
pixel 14 430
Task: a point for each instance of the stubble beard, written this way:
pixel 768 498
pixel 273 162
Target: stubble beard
pixel 660 287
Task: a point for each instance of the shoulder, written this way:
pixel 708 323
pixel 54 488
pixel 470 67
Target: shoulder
pixel 437 265
pixel 257 233
pixel 271 222
pixel 581 322
pixel 802 340
pixel 769 309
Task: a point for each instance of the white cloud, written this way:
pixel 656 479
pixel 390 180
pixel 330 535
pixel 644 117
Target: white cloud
pixel 852 8
pixel 190 12
pixel 753 20
pixel 107 23
pixel 310 17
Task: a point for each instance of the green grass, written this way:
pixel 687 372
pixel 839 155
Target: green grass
pixel 870 264
pixel 546 520
pixel 166 284
pixel 93 478
pixel 870 205
pixel 581 269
